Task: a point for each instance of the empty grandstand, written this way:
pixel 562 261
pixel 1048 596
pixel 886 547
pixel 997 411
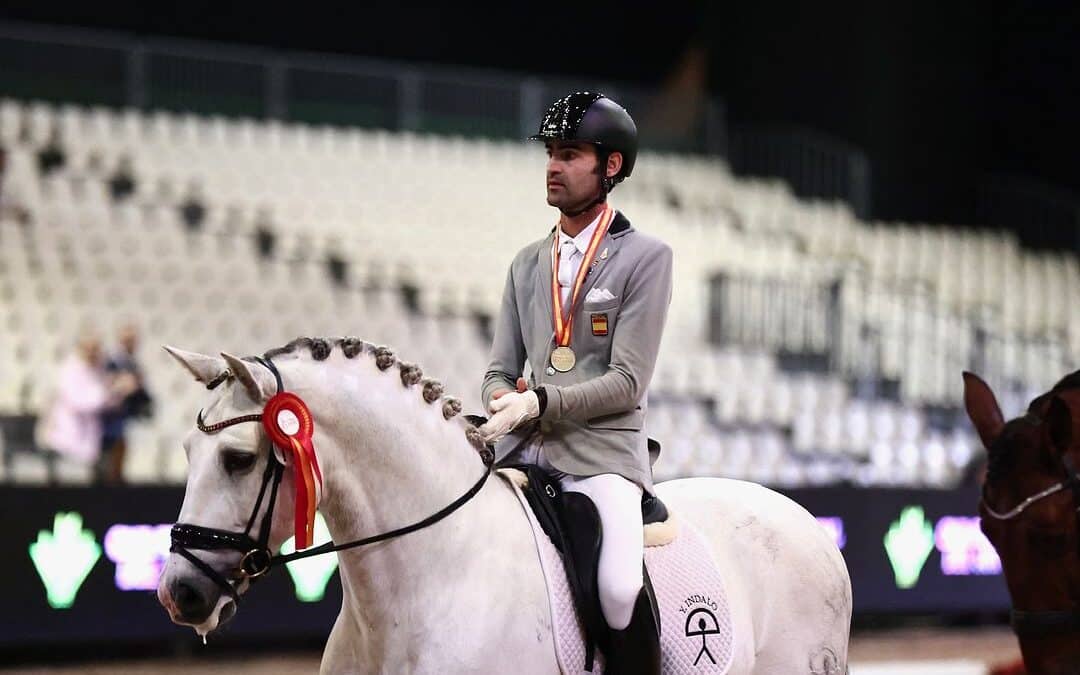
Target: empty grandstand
pixel 804 346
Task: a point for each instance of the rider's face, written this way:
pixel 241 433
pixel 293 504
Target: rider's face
pixel 572 180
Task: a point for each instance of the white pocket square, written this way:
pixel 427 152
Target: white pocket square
pixel 599 295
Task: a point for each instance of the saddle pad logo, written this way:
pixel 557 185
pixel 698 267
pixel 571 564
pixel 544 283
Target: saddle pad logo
pixel 700 622
pixel 599 324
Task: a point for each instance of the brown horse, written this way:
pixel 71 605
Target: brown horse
pixel 1029 510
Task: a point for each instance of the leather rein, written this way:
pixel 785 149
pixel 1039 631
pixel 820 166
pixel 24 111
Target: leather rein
pixel 1034 623
pixel 257 558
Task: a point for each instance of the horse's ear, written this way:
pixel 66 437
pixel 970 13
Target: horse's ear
pixel 982 408
pixel 204 368
pixel 258 381
pixel 1059 424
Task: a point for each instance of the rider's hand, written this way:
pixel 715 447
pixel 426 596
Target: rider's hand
pixel 508 411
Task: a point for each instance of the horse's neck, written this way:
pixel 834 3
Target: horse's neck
pixel 1053 654
pixel 389 460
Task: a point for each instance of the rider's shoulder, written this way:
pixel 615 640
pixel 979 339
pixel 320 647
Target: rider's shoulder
pixel 528 254
pixel 633 239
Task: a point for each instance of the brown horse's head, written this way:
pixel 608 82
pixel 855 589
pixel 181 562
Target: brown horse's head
pixel 1029 511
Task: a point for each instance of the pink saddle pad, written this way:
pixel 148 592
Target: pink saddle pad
pixel 696 629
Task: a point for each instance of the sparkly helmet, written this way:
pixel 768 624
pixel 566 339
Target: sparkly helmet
pixel 593 118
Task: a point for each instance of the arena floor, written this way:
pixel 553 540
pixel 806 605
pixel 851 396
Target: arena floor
pixel 895 652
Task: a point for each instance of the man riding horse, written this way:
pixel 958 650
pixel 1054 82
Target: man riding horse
pixel 585 307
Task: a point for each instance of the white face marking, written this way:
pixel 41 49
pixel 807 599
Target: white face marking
pixel 288 422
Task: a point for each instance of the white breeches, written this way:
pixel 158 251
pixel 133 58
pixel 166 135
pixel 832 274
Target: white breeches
pixel 619 575
pixel 618 501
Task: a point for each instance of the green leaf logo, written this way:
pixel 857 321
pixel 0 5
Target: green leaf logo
pixel 310 575
pixel 64 557
pixel 908 544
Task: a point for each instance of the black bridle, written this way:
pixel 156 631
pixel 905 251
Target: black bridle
pixel 257 558
pixel 1035 623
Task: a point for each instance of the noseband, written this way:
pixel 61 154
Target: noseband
pixel 1034 623
pixel 257 558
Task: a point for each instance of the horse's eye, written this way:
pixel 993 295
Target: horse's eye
pixel 238 462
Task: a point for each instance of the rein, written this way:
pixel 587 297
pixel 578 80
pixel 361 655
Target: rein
pixel 1035 623
pixel 257 558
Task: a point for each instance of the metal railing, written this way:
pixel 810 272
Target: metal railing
pixel 122 70
pixel 813 164
pixel 1044 217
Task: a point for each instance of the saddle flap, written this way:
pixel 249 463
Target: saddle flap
pixel 584 535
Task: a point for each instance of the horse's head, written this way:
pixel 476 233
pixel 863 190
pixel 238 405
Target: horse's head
pixel 226 526
pixel 1031 497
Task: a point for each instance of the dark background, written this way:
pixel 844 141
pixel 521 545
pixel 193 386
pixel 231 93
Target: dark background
pixel 941 95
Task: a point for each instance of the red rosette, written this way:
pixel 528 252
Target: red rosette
pixel 288 422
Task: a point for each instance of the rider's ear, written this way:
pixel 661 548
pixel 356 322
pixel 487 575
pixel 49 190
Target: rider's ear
pixel 614 164
pixel 258 381
pixel 982 408
pixel 205 368
pixel 1059 424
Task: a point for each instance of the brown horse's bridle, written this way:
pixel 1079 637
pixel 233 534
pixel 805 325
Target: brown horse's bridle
pixel 1030 623
pixel 257 558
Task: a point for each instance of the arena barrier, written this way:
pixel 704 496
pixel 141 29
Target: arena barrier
pixel 82 564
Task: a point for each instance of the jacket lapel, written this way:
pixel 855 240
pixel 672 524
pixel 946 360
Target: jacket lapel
pixel 609 246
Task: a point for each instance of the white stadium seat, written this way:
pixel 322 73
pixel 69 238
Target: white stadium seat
pixel 396 208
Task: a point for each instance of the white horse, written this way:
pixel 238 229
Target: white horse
pixel 467 593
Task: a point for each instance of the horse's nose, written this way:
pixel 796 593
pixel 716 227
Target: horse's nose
pixel 193 606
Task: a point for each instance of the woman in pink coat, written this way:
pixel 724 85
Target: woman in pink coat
pixel 72 424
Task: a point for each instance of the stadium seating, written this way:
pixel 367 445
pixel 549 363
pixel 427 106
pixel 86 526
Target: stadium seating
pixel 443 216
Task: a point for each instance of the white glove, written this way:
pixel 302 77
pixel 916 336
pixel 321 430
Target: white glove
pixel 509 411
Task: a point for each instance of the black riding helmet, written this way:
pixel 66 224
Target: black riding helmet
pixel 593 118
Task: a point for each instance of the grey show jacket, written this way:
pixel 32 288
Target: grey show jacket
pixel 595 414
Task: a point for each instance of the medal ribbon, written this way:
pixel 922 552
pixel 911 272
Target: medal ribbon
pixel 297 443
pixel 564 323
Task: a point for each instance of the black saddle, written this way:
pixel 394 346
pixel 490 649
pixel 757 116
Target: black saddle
pixel 571 521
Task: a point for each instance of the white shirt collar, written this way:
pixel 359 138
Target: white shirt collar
pixel 581 241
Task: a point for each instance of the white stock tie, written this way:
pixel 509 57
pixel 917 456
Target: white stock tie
pixel 569 261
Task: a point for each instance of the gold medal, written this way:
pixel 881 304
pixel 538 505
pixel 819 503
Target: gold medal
pixel 563 359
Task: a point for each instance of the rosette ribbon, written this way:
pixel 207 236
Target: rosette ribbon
pixel 288 422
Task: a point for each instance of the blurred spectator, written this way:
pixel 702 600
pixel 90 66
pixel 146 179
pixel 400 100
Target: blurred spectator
pixel 136 404
pixel 122 182
pixel 52 156
pixel 192 209
pixel 71 423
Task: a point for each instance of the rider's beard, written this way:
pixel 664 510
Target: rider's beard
pixel 573 199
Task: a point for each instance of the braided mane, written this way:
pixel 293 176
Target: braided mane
pixel 431 390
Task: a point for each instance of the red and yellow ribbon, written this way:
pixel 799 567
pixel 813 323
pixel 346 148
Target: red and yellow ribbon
pixel 287 420
pixel 564 322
